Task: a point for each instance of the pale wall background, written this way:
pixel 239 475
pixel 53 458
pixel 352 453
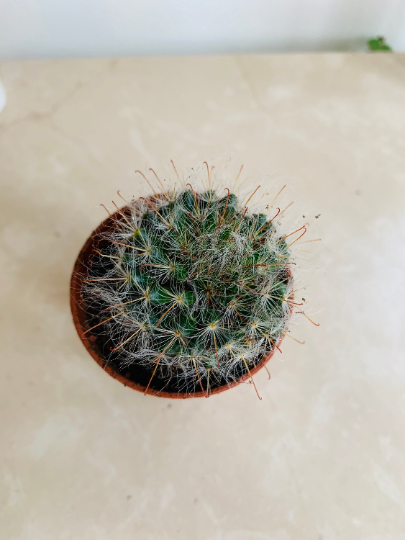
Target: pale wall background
pixel 60 28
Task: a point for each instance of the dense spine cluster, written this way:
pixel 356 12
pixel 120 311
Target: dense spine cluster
pixel 194 287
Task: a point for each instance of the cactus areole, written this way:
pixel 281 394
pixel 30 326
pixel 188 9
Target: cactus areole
pixel 183 294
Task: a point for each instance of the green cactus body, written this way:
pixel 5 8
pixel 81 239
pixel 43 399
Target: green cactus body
pixel 196 288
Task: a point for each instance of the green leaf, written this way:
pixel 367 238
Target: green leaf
pixel 378 44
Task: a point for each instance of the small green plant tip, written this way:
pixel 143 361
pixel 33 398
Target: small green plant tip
pixel 378 44
pixel 192 286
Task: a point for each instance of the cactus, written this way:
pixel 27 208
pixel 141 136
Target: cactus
pixel 192 286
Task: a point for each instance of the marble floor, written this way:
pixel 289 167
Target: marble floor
pixel 322 456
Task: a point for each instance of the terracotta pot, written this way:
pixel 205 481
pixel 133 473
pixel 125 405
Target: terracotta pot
pixel 90 341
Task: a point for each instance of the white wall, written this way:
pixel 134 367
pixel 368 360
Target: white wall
pixel 60 28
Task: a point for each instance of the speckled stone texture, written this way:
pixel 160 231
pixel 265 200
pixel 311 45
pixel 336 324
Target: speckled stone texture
pixel 322 456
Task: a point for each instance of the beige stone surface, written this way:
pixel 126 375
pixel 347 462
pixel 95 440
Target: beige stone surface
pixel 322 456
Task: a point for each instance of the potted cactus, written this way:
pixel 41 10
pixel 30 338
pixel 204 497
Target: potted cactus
pixel 185 292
